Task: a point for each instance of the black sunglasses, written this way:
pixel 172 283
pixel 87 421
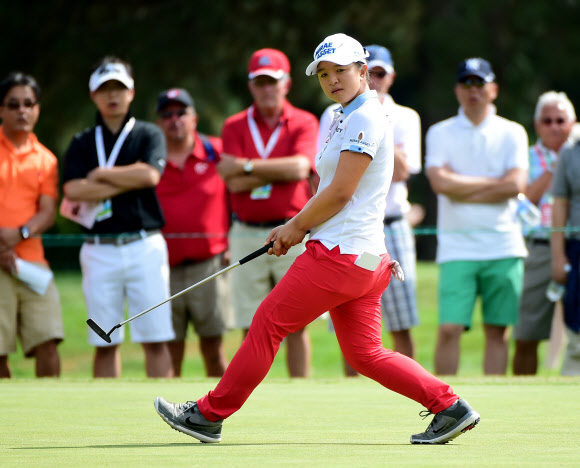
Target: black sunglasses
pixel 469 82
pixel 15 105
pixel 380 74
pixel 550 121
pixel 166 115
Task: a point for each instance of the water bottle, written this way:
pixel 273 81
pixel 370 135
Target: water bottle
pixel 528 212
pixel 556 291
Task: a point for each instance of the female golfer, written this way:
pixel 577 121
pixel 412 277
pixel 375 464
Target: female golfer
pixel 344 270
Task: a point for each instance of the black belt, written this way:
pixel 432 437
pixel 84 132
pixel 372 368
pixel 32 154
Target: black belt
pixel 392 219
pixel 265 224
pixel 121 239
pixel 539 241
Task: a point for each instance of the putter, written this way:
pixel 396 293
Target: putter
pixel 107 336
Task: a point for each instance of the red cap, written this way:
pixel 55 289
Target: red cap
pixel 269 62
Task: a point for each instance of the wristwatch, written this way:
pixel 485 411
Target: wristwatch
pixel 24 232
pixel 248 166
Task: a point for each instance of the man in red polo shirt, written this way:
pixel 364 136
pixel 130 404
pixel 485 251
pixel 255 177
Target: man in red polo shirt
pixel 267 164
pixel 194 201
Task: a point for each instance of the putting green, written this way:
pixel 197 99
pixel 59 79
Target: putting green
pixel 525 421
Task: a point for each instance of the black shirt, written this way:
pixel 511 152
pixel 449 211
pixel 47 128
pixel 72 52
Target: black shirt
pixel 133 210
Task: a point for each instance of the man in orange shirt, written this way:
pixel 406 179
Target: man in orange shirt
pixel 28 198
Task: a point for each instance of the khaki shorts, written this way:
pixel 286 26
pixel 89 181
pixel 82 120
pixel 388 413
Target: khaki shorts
pixel 35 319
pixel 208 306
pixel 253 281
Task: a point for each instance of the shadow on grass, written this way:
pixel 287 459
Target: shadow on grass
pixel 131 446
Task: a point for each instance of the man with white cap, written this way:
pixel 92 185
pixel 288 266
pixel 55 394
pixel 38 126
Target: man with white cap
pixel 113 169
pixel 399 305
pixel 267 161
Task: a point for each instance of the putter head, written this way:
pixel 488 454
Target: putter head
pixel 98 330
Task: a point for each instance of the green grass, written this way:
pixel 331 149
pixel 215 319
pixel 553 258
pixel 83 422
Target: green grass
pixel 325 420
pixel 335 422
pixel 76 354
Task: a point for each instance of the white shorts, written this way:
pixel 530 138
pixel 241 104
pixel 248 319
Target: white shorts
pixel 138 273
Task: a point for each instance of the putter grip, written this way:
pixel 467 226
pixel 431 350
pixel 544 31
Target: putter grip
pixel 257 253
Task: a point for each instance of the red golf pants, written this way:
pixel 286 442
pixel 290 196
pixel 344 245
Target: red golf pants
pixel 321 280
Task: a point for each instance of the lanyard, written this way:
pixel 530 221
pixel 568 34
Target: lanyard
pixel 541 156
pixel 258 143
pixel 103 161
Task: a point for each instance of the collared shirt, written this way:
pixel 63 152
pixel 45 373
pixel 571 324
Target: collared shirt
pixel 194 202
pixel 477 231
pixel 362 127
pixel 298 133
pixel 133 210
pixel 24 177
pixel 407 135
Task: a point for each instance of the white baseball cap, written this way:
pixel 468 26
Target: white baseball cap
pixel 108 72
pixel 340 49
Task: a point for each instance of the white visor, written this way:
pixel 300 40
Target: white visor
pixel 108 72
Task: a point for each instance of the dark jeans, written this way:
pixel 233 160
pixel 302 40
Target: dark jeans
pixel 572 297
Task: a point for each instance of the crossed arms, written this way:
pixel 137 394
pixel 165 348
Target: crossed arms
pixel 102 182
pixel 265 171
pixel 476 189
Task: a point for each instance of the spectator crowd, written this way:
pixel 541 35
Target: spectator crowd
pixel 163 206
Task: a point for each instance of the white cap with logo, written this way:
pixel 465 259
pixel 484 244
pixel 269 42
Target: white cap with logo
pixel 340 49
pixel 108 72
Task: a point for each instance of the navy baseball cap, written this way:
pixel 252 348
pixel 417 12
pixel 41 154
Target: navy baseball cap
pixel 475 67
pixel 380 56
pixel 178 95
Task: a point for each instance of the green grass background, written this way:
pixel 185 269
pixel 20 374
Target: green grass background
pixel 321 421
pixel 76 354
pixel 314 422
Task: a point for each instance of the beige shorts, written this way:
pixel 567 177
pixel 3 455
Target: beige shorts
pixel 253 281
pixel 208 306
pixel 35 319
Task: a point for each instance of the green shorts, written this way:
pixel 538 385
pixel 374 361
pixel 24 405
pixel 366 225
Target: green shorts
pixel 498 282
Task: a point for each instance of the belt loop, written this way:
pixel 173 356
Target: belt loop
pixel 96 239
pixel 143 233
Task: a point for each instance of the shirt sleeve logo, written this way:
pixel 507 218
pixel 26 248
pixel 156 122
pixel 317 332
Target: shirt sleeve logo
pixel 361 141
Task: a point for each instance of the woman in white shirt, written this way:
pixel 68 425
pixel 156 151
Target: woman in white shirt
pixel 344 270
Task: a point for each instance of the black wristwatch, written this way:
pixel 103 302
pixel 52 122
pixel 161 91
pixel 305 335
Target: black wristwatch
pixel 24 232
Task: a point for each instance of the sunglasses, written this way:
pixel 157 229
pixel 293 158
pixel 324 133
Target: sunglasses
pixel 380 74
pixel 469 82
pixel 166 115
pixel 550 121
pixel 15 105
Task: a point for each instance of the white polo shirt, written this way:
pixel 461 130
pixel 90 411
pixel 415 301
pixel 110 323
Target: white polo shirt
pixel 406 133
pixel 477 231
pixel 361 127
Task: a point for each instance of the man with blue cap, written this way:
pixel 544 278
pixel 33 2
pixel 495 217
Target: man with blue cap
pixel 399 306
pixel 477 163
